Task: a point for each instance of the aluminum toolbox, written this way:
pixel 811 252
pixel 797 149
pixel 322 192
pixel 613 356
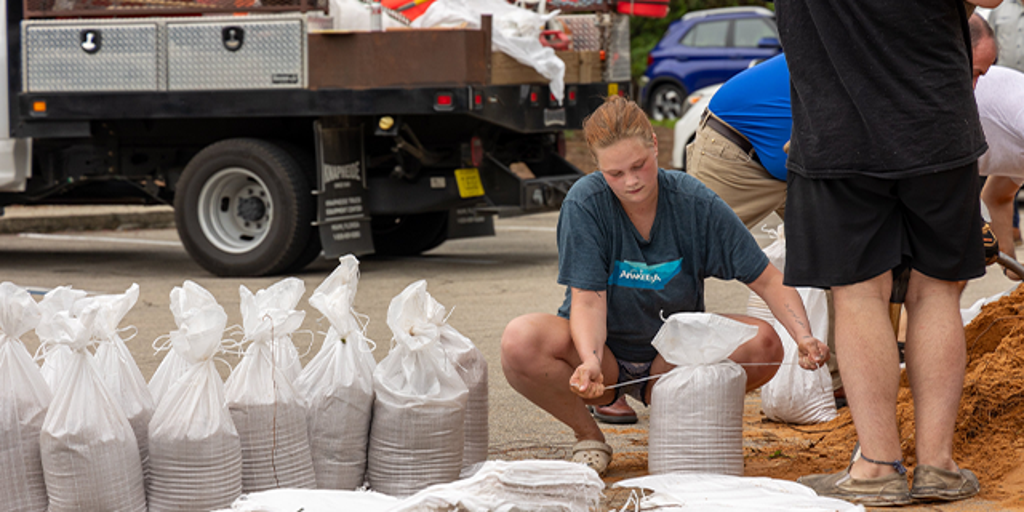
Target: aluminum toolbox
pixel 231 53
pixel 91 55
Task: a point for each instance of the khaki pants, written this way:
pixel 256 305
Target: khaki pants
pixel 737 178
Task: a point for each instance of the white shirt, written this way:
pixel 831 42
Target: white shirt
pixel 1000 97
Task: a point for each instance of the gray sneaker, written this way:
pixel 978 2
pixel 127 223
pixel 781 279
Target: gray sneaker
pixel 887 491
pixel 932 483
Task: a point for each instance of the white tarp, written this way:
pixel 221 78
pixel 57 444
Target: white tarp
pixel 723 493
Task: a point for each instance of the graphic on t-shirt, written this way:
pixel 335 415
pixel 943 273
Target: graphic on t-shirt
pixel 632 274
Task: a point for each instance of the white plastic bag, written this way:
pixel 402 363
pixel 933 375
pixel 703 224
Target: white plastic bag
pixel 195 457
pixel 90 456
pixel 516 33
pixel 267 410
pixel 56 355
pixel 722 493
pixel 117 366
pixel 417 436
pixel 697 408
pixel 353 15
pixel 338 385
pixel 186 300
pixel 796 395
pixel 472 368
pixel 291 500
pixel 24 398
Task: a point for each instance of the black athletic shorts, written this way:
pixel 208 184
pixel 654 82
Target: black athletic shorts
pixel 848 230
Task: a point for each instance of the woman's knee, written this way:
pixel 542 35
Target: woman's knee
pixel 525 340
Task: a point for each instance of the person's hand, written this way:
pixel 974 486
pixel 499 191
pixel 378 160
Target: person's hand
pixel 1011 275
pixel 813 353
pixel 587 381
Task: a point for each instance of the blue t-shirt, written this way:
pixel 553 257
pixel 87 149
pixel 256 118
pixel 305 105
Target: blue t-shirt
pixel 695 235
pixel 756 103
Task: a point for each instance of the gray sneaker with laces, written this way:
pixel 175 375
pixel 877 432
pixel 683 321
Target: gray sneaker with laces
pixel 887 491
pixel 932 483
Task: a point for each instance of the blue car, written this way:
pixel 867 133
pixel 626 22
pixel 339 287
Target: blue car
pixel 705 48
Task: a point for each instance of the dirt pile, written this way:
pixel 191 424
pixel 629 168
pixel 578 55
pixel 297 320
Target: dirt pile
pixel 989 425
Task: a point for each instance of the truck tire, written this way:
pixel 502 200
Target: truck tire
pixel 314 248
pixel 243 207
pixel 408 235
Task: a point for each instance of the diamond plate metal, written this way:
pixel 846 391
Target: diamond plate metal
pixel 586 34
pixel 54 61
pixel 272 55
pixel 618 68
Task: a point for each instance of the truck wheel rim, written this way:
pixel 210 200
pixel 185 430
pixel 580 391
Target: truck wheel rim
pixel 667 105
pixel 235 210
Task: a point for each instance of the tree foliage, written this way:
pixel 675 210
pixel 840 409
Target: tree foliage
pixel 646 32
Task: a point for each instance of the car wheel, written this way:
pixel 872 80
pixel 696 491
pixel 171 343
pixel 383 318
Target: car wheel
pixel 408 235
pixel 243 207
pixel 667 102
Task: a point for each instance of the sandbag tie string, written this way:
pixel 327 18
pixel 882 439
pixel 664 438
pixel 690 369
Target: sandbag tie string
pixel 657 375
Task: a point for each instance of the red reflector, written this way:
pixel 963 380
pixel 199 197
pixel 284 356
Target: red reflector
pixel 478 99
pixel 444 99
pixel 553 97
pixel 533 97
pixel 476 151
pixel 622 92
pixel 572 95
pixel 650 59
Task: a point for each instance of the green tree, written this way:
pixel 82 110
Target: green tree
pixel 646 32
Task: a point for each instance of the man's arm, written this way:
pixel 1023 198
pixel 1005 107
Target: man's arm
pixel 588 326
pixel 788 308
pixel 999 195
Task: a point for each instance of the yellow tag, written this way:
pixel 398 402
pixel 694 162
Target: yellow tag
pixel 469 182
pixel 613 89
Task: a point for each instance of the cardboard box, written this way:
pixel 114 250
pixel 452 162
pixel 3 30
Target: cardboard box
pixel 590 67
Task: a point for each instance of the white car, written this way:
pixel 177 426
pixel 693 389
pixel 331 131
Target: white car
pixel 686 127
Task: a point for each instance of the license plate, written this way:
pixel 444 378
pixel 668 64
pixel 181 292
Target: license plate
pixel 468 181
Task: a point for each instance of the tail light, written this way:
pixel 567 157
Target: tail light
pixel 476 151
pixel 650 59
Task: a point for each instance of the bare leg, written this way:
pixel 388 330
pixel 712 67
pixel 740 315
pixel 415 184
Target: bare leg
pixel 765 347
pixel 869 362
pixel 538 358
pixel 936 355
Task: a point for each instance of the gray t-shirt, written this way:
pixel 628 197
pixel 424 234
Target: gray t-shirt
pixel 695 235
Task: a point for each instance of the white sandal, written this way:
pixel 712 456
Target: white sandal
pixel 594 454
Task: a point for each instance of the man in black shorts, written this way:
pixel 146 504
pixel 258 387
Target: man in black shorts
pixel 884 175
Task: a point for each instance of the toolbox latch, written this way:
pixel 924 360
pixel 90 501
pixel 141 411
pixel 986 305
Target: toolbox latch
pixel 233 38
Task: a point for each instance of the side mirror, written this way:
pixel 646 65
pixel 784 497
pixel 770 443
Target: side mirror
pixel 769 42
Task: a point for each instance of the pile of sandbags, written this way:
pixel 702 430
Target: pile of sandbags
pixel 89 452
pixel 267 410
pixel 195 456
pixel 24 398
pixel 338 385
pixel 697 408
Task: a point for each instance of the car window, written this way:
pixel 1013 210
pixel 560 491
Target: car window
pixel 749 31
pixel 707 34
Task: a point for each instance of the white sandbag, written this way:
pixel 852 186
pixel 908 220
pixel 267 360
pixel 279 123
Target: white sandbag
pixel 186 300
pixel 776 252
pixel 697 408
pixel 723 493
pixel 24 398
pixel 55 355
pixel 550 485
pixel 417 435
pixel 306 500
pixel 338 385
pixel 195 457
pixel 796 395
pixel 281 298
pixel 516 33
pixel 115 363
pixel 472 368
pixel 90 456
pixel 267 410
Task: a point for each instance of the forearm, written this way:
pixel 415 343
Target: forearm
pixel 588 323
pixel 784 303
pixel 999 194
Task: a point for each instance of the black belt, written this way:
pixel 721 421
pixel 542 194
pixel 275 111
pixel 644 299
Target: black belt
pixel 729 133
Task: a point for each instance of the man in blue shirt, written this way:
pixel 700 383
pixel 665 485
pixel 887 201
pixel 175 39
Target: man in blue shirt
pixel 738 149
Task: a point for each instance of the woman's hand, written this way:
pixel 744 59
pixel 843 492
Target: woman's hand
pixel 588 381
pixel 813 353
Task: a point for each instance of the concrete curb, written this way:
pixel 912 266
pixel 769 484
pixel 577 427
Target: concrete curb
pixel 93 219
